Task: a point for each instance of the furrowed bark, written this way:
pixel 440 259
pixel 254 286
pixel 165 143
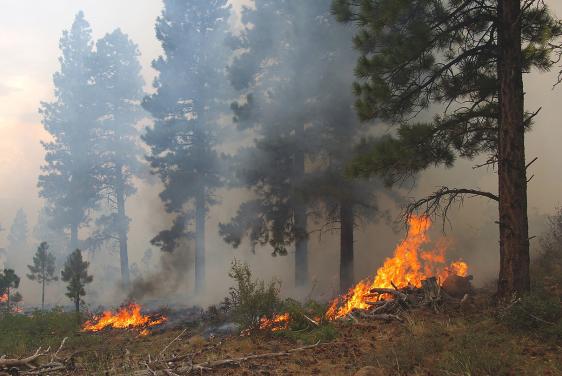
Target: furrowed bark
pixel 346 247
pixel 514 235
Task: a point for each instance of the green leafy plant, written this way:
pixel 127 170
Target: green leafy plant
pixel 251 299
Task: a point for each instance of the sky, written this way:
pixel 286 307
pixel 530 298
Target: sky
pixel 29 36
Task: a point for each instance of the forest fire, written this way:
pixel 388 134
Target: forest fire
pixel 408 267
pixel 127 317
pixel 3 298
pixel 277 323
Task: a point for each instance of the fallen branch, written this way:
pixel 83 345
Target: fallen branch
pixel 396 293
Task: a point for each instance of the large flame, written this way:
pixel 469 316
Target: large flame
pixel 408 267
pixel 127 317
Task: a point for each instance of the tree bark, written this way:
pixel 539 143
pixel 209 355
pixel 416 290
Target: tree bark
pixel 514 235
pixel 77 304
pixel 43 292
pixel 346 247
pixel 300 216
pixel 123 227
pixel 200 213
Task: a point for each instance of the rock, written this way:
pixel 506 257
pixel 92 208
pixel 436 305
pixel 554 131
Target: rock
pixel 457 286
pixel 370 371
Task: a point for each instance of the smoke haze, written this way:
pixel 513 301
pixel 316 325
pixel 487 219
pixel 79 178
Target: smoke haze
pixel 29 35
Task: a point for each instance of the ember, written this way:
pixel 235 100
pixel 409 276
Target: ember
pixel 408 268
pixel 128 317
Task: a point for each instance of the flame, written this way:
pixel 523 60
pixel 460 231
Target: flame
pixel 277 323
pixel 408 267
pixel 4 298
pixel 127 317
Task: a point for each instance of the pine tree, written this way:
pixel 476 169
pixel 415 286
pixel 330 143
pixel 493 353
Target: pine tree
pixel 118 88
pixel 299 104
pixel 43 269
pixel 75 273
pixel 466 59
pixel 186 109
pixel 69 177
pixel 9 281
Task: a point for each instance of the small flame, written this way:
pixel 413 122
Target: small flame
pixel 127 317
pixel 408 267
pixel 4 298
pixel 277 323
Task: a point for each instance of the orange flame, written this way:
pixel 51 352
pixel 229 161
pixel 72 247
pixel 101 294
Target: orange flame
pixel 408 267
pixel 4 298
pixel 127 317
pixel 277 323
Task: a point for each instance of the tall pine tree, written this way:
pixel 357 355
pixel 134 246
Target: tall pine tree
pixel 186 108
pixel 118 88
pixel 466 59
pixel 69 174
pixel 299 105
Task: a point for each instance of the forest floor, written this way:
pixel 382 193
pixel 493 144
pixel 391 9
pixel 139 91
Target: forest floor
pixel 468 342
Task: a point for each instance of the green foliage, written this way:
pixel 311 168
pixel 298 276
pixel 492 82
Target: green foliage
pixel 427 55
pixel 21 335
pixel 75 273
pixel 9 281
pixel 535 314
pixel 43 268
pixel 251 299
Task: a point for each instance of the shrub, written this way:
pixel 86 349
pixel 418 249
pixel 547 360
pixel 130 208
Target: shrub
pixel 250 299
pixel 538 313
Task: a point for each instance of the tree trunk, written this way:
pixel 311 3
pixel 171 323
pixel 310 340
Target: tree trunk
pixel 43 294
pixel 514 238
pixel 301 242
pixel 200 213
pixel 123 227
pixel 77 304
pixel 8 301
pixel 346 247
pixel 73 237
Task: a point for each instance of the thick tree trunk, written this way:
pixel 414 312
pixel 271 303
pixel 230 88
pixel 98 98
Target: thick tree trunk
pixel 346 247
pixel 77 304
pixel 200 213
pixel 73 237
pixel 123 227
pixel 514 238
pixel 301 242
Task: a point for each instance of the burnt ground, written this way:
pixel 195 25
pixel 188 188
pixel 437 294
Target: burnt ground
pixel 427 343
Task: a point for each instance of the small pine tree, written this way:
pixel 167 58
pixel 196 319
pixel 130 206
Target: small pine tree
pixel 8 282
pixel 43 269
pixel 75 273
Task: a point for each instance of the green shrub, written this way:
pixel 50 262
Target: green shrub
pixel 538 313
pixel 249 300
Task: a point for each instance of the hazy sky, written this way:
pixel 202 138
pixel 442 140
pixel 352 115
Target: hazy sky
pixel 29 36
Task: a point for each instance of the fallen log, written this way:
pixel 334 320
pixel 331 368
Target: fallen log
pixel 396 293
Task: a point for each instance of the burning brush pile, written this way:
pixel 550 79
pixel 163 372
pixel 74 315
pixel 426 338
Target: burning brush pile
pixel 412 277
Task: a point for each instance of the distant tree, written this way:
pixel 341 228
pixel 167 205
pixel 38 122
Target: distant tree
pixel 299 106
pixel 9 281
pixel 118 88
pixel 17 237
pixel 69 177
pixel 43 269
pixel 186 107
pixel 464 59
pixel 75 274
pixel 46 231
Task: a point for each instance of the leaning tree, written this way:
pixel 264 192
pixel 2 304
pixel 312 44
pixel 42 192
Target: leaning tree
pixel 464 60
